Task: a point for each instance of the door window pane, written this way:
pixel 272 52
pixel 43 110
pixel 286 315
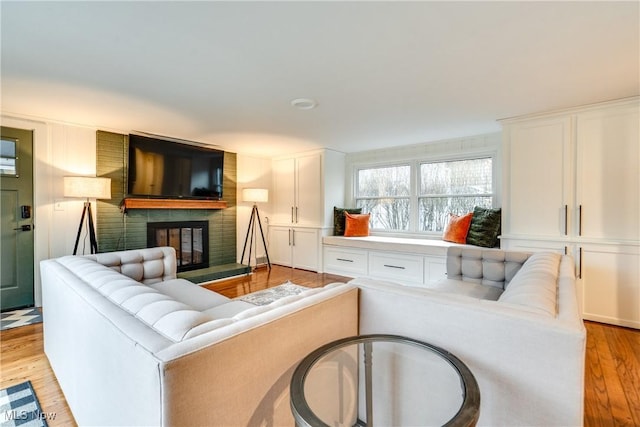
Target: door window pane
pixel 8 157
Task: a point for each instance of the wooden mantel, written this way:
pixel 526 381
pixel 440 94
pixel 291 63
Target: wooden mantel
pixel 142 203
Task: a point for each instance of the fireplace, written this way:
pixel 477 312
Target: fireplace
pixel 190 239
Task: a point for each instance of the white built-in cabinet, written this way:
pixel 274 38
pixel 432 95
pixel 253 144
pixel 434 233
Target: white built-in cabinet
pixel 306 187
pixel 295 247
pixel 572 184
pixel 298 189
pixel 411 262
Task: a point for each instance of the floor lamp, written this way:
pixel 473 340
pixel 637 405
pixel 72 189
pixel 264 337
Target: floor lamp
pixel 255 195
pixel 87 188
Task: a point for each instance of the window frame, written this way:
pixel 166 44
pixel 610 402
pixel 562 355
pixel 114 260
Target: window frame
pixel 414 196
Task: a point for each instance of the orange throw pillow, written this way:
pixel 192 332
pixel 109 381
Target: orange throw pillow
pixel 457 228
pixel 356 225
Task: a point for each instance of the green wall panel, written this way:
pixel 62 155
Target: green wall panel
pixel 119 231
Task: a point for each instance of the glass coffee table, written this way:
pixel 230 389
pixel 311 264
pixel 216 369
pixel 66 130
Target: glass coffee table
pixel 383 380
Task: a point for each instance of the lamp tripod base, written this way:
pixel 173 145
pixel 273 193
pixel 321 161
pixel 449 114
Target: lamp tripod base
pixel 255 217
pixel 92 231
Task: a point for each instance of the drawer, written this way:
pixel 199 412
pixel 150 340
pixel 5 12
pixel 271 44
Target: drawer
pixel 351 262
pixel 397 267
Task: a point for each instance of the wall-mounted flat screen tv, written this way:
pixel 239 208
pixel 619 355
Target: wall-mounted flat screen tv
pixel 168 169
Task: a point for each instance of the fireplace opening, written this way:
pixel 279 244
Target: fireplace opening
pixel 190 239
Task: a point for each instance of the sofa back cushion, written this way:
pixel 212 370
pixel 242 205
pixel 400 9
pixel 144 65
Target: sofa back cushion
pixel 148 266
pixel 536 284
pixel 491 267
pixel 168 317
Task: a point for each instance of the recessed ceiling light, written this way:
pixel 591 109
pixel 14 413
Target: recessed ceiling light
pixel 304 103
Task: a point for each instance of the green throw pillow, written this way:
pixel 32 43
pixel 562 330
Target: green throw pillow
pixel 485 227
pixel 339 219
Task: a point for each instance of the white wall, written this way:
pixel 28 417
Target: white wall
pixel 253 172
pixel 58 149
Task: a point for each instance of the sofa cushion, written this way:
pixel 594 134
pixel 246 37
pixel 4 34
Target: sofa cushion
pixel 457 228
pixel 357 225
pixel 485 227
pixel 228 309
pixel 535 285
pixel 147 266
pixel 470 289
pixel 339 219
pixel 189 293
pixel 492 267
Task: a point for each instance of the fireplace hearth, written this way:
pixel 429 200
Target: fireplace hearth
pixel 190 239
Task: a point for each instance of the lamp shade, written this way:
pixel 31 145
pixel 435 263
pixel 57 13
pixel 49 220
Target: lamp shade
pixel 87 187
pixel 255 195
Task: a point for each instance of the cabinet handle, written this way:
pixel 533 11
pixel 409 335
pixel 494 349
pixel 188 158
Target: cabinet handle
pixel 344 259
pixel 394 266
pixel 566 220
pixel 580 220
pixel 293 233
pixel 289 237
pixel 292 214
pixel 566 250
pixel 296 214
pixel 580 265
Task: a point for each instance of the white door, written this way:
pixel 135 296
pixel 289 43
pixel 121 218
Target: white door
pixel 610 283
pixel 280 245
pixel 305 248
pixel 309 199
pixel 608 174
pixel 538 181
pixel 283 191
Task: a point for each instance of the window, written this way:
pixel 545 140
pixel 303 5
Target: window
pixel 396 203
pixel 452 187
pixel 8 156
pixel 385 192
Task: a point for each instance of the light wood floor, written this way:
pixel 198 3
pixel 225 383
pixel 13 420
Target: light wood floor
pixel 612 377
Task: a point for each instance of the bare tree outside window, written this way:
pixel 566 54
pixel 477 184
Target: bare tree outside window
pixel 452 187
pixel 455 186
pixel 384 193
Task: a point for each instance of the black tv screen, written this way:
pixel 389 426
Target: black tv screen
pixel 162 168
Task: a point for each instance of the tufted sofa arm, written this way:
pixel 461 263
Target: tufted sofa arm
pixel 492 267
pixel 148 266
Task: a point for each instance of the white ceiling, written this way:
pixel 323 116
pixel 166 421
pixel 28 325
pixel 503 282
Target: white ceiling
pixel 384 73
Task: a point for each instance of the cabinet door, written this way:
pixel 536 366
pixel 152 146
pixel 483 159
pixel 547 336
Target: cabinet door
pixel 305 248
pixel 609 284
pixel 608 187
pixel 538 176
pixel 280 245
pixel 309 190
pixel 435 268
pixel 283 191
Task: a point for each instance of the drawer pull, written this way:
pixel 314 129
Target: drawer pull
pixel 394 266
pixel 344 259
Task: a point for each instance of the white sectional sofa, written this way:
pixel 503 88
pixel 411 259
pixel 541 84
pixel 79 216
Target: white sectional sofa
pixel 130 344
pixel 513 319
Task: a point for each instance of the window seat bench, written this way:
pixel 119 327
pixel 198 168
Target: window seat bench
pixel 415 262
